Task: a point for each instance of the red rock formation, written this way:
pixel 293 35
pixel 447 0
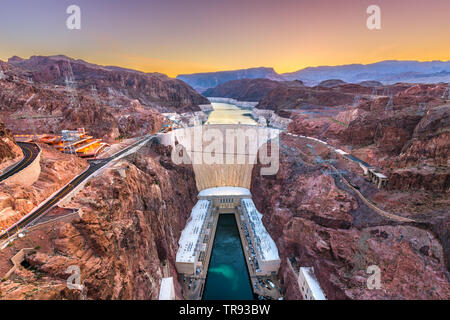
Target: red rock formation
pixel 126 239
pixel 413 134
pixel 297 97
pixel 331 83
pixel 57 169
pixel 316 220
pixel 151 89
pixel 9 151
pixel 246 89
pixel 31 109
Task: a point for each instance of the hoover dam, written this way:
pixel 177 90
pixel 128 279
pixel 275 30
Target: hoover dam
pixel 225 251
pixel 192 202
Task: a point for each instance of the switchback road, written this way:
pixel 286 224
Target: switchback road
pixel 94 165
pixel 30 152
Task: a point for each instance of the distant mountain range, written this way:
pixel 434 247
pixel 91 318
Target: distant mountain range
pixel 204 81
pixel 387 72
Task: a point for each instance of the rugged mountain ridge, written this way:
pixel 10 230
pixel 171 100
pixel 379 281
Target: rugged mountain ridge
pixel 317 221
pixel 387 72
pixel 150 89
pixel 203 81
pixel 124 241
pixel 248 89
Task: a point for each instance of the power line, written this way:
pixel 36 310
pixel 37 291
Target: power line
pixel 390 104
pixel 423 107
pixel 356 100
pixel 95 94
pixel 446 95
pixel 71 87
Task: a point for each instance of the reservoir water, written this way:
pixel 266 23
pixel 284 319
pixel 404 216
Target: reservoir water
pixel 228 277
pixel 225 113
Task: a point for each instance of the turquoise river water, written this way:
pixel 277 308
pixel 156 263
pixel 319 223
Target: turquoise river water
pixel 228 277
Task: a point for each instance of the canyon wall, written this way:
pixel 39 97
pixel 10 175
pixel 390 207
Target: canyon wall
pixel 318 222
pixel 52 169
pixel 240 104
pixel 125 240
pixel 243 89
pixel 32 109
pixel 10 152
pixel 150 89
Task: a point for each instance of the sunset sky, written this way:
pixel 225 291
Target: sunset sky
pixel 186 36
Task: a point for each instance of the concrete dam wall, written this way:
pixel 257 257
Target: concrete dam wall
pixel 222 154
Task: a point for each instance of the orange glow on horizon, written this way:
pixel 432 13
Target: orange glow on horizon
pixel 178 37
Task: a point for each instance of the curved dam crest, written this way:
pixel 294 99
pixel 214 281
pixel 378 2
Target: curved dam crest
pixel 223 154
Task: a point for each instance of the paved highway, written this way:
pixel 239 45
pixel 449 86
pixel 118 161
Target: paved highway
pixel 94 165
pixel 30 152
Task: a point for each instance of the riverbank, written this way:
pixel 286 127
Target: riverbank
pixel 241 104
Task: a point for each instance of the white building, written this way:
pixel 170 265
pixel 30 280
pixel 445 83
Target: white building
pixel 188 258
pixel 261 243
pixel 309 286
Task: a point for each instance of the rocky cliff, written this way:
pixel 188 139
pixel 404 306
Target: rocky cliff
pixel 204 81
pixel 317 221
pixel 10 152
pixel 31 108
pixel 150 89
pixel 56 169
pixel 407 137
pixel 125 240
pixel 244 89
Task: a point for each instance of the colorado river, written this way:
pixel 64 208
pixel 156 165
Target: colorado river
pixel 225 113
pixel 228 278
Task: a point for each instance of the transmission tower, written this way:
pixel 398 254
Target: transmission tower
pixel 390 104
pixel 386 92
pixel 95 95
pixel 71 87
pixel 446 95
pixel 112 100
pixel 374 92
pixel 356 101
pixel 423 107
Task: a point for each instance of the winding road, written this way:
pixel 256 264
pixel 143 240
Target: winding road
pixel 30 152
pixel 368 202
pixel 94 165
